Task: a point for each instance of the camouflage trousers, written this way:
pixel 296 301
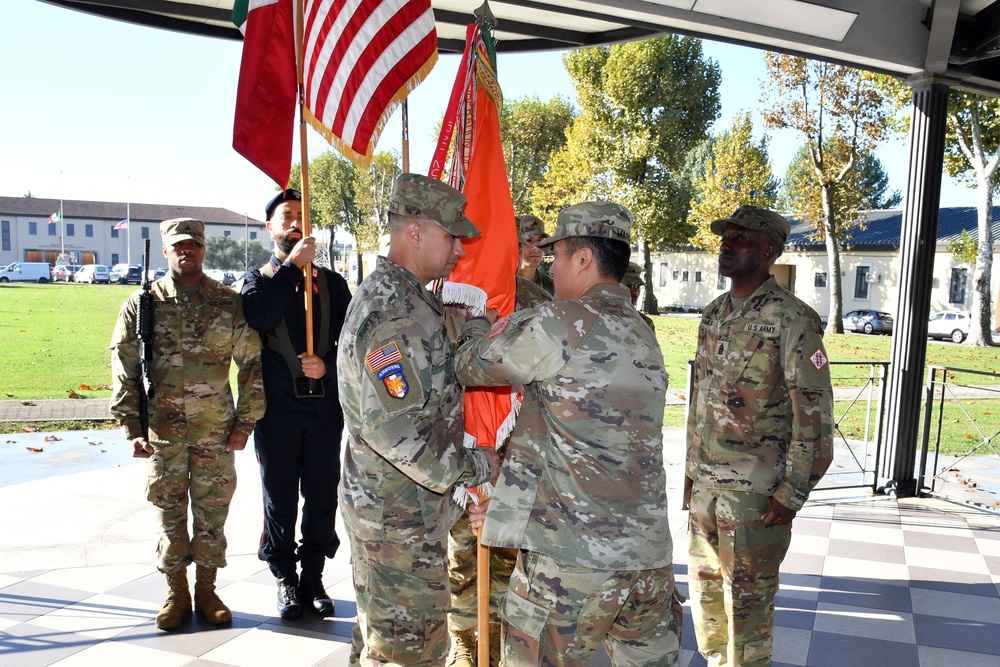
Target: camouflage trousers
pixel 555 615
pixel 733 574
pixel 462 559
pixel 402 597
pixel 203 475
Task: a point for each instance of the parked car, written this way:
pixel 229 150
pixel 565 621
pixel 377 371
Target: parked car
pixel 868 321
pixel 93 273
pixel 123 274
pixel 952 324
pixel 64 272
pixel 225 277
pixel 32 272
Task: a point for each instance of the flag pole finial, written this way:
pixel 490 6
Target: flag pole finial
pixel 484 15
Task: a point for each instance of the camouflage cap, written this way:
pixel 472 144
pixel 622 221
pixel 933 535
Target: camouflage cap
pixel 529 226
pixel 760 219
pixel 418 196
pixel 182 229
pixel 633 275
pixel 593 218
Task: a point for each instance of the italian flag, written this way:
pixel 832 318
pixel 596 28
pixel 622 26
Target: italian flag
pixel 55 217
pixel 266 94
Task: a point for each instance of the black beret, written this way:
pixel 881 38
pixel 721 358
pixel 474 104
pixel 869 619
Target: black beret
pixel 281 197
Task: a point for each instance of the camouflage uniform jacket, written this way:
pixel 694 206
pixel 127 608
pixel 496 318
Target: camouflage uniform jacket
pixel 403 411
pixel 583 478
pixel 528 294
pixel 761 417
pixel 194 341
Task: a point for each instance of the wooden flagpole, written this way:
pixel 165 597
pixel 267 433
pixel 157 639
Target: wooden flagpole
pixel 307 286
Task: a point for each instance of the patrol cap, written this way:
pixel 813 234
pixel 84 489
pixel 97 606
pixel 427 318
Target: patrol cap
pixel 418 196
pixel 760 219
pixel 182 229
pixel 633 275
pixel 528 226
pixel 603 219
pixel 288 194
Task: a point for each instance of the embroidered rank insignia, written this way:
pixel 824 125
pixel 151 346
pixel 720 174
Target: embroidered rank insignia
pixel 394 380
pixel 818 359
pixel 498 327
pixel 383 356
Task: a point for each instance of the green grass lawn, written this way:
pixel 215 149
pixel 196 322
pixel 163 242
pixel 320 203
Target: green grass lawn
pixel 54 339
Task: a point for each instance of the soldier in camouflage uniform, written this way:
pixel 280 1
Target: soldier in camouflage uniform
pixel 582 492
pixel 531 231
pixel 403 411
pixel 194 427
pixel 633 281
pixel 759 438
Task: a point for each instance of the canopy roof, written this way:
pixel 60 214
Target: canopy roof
pixel 956 39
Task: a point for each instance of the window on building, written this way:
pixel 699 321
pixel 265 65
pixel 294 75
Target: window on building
pixel 253 236
pixel 52 229
pixel 676 275
pixel 861 282
pixel 663 274
pixel 722 283
pixel 685 276
pixel 144 232
pixel 33 228
pixel 70 229
pixel 5 234
pixel 697 276
pixel 226 233
pixel 88 231
pixel 114 233
pixel 820 280
pixel 114 258
pixel 958 286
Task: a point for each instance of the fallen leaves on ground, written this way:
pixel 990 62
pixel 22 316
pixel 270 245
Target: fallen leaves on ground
pixel 73 394
pixel 52 438
pixel 30 403
pixel 85 387
pixel 29 429
pixel 34 449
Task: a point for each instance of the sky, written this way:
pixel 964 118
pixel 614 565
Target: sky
pixel 101 110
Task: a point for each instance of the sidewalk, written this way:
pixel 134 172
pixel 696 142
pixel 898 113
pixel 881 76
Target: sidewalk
pixel 54 409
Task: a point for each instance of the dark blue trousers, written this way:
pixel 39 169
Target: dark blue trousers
pixel 298 452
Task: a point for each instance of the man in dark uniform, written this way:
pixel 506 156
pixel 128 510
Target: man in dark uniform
pixel 298 440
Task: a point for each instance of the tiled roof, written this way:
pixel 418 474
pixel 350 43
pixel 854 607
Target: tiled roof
pixel 103 210
pixel 883 230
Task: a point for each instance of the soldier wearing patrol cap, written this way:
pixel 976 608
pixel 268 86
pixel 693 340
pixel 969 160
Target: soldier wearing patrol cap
pixel 759 438
pixel 403 410
pixel 634 282
pixel 595 559
pixel 530 233
pixel 194 427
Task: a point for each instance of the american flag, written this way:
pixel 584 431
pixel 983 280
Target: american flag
pixel 361 59
pixel 383 356
pixel 122 225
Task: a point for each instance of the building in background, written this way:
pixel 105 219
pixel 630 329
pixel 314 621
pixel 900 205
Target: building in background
pixel 92 232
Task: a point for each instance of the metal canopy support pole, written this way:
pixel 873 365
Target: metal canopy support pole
pixel 918 240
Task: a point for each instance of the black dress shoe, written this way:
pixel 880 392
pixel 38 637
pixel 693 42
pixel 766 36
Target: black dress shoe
pixel 289 598
pixel 314 595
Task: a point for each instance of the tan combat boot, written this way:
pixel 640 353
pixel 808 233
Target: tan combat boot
pixel 494 645
pixel 178 604
pixel 463 648
pixel 206 602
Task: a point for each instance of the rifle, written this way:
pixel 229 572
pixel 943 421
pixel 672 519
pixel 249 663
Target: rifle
pixel 144 331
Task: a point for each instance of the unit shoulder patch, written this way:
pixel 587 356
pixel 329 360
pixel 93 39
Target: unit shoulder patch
pixel 818 359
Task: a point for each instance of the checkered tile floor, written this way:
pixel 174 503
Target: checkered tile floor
pixel 868 580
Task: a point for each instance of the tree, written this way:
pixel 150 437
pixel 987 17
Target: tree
pixel 736 171
pixel 864 188
pixel 531 131
pixel 644 105
pixel 973 155
pixel 349 197
pixel 964 249
pixel 834 107
pixel 225 252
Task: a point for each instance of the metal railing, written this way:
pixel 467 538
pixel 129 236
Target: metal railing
pixel 941 387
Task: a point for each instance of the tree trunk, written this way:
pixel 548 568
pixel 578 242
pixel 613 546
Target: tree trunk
pixel 834 321
pixel 980 331
pixel 649 304
pixel 361 267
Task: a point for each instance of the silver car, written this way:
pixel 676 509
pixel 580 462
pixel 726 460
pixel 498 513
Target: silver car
pixel 950 324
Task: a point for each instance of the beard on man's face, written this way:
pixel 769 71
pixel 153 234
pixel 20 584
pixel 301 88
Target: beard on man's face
pixel 286 240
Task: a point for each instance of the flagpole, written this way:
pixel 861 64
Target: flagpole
pixel 62 221
pixel 306 229
pixel 128 219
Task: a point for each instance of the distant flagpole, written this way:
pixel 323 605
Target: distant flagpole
pixel 128 218
pixel 62 219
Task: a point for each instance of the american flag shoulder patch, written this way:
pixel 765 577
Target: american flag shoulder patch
pixel 383 356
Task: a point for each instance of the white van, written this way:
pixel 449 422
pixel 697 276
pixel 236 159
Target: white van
pixel 34 272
